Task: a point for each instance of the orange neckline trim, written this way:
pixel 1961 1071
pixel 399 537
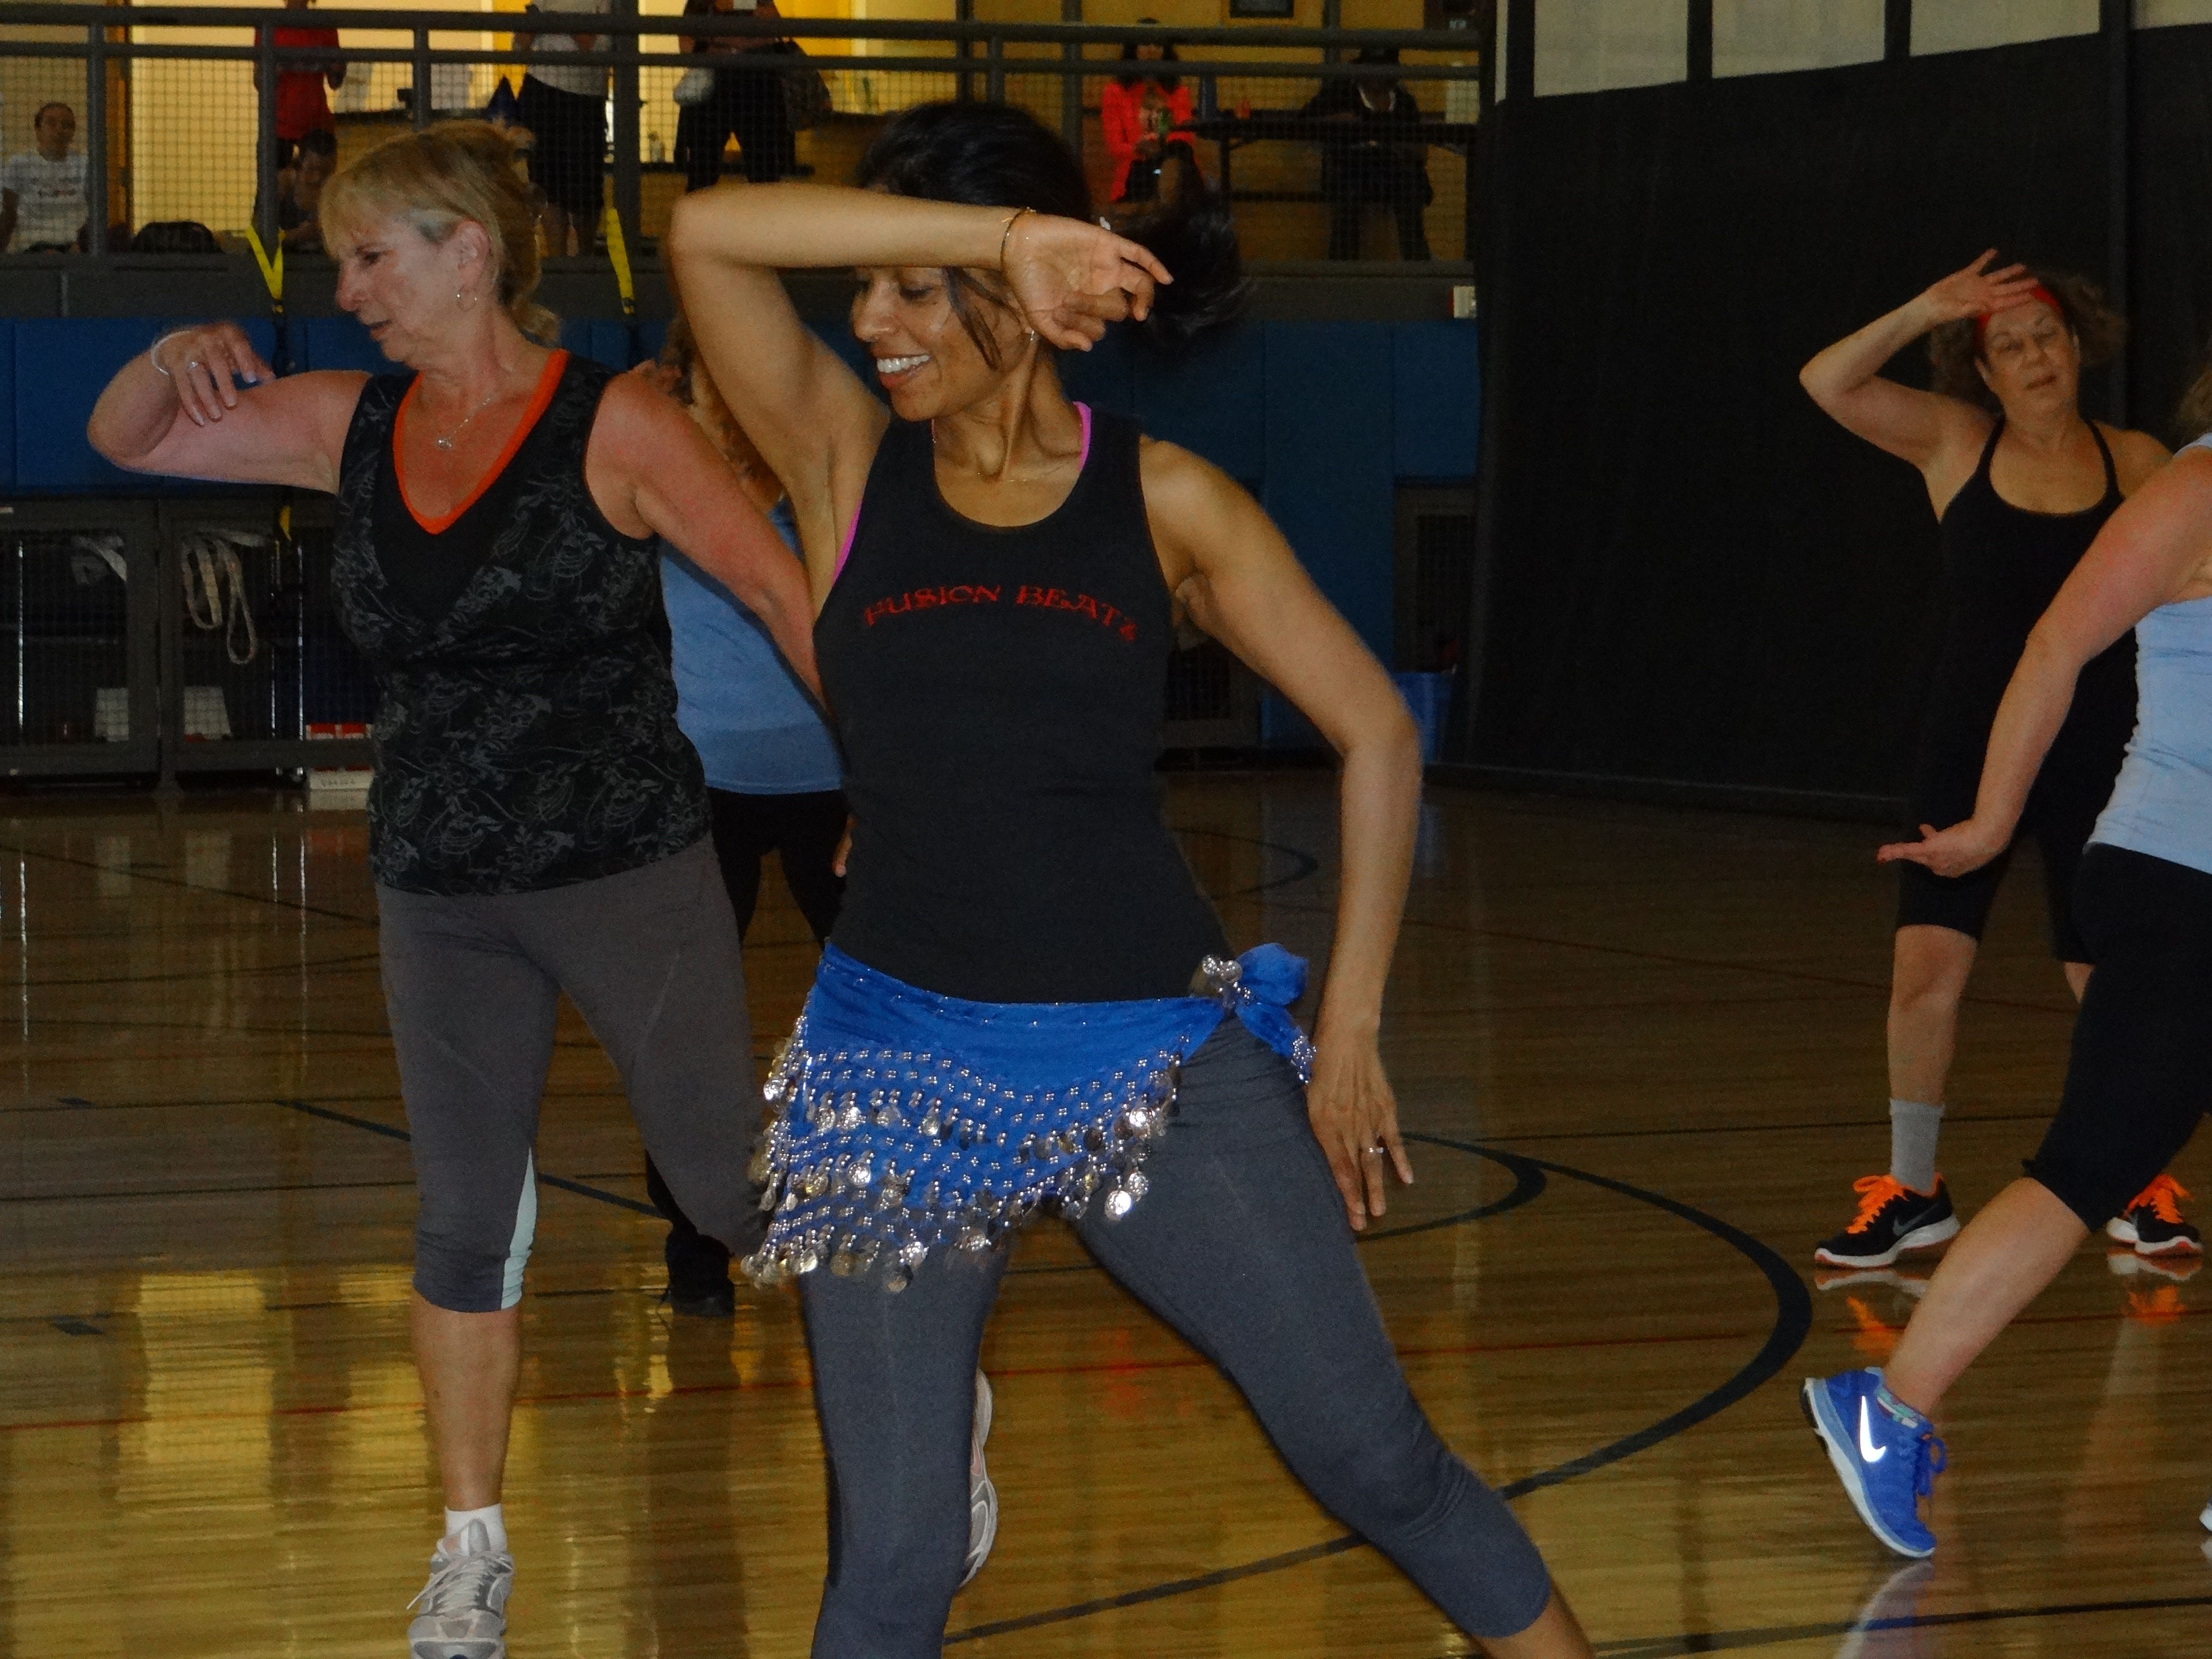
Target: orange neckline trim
pixel 547 380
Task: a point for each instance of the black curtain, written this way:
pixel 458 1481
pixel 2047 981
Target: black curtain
pixel 1688 574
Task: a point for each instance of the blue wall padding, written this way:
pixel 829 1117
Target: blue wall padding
pixel 1105 377
pixel 1438 387
pixel 7 406
pixel 1322 417
pixel 323 343
pixel 61 366
pixel 1328 481
pixel 1209 402
pixel 653 336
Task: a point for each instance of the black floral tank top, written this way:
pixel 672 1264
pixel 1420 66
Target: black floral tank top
pixel 525 736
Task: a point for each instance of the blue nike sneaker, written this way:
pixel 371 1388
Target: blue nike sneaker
pixel 1886 1454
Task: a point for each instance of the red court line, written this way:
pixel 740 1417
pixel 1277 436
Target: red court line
pixel 1108 1368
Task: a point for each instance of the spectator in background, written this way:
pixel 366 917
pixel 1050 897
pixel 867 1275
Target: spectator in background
pixel 302 107
pixel 1373 167
pixel 300 190
pixel 774 779
pixel 565 108
pixel 746 103
pixel 1137 113
pixel 42 200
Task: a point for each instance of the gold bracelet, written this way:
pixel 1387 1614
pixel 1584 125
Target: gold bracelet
pixel 1008 235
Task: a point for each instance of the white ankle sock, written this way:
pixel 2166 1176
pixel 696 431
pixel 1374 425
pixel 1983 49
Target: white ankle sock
pixel 495 1524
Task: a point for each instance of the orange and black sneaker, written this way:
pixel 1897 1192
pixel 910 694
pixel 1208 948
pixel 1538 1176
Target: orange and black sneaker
pixel 2153 1224
pixel 1892 1219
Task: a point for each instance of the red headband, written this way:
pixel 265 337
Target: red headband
pixel 2039 292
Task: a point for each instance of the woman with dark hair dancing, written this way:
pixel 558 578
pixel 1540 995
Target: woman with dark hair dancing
pixel 1025 1002
pixel 2021 482
pixel 2135 1084
pixel 537 823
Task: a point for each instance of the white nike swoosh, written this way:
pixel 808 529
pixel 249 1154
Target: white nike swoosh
pixel 1868 1449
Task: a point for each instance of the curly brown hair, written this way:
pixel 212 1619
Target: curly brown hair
pixel 2098 330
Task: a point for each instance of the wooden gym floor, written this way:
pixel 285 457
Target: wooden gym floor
pixel 1641 1048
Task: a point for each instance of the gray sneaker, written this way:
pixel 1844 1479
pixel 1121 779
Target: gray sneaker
pixel 464 1604
pixel 982 1496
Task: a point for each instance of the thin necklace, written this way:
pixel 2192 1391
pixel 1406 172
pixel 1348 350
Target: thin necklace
pixel 446 440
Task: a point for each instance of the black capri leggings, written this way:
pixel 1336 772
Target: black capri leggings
pixel 2060 815
pixel 2140 1074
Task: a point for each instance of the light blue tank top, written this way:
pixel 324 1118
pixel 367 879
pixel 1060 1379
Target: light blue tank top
pixel 755 731
pixel 2162 803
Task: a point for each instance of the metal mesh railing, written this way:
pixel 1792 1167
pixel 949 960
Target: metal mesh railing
pixel 66 598
pixel 187 123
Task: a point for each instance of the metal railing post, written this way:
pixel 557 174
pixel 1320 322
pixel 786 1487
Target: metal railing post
pixel 420 102
pixel 994 73
pixel 629 200
pixel 96 139
pixel 1071 82
pixel 265 151
pixel 963 11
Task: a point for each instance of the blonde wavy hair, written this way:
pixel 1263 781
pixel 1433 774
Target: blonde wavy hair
pixel 436 179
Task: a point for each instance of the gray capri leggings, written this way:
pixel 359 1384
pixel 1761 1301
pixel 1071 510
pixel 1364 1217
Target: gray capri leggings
pixel 1242 1246
pixel 650 958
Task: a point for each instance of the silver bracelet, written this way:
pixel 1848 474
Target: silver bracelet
pixel 157 345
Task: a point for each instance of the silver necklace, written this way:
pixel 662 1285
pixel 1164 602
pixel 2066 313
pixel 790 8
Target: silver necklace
pixel 446 442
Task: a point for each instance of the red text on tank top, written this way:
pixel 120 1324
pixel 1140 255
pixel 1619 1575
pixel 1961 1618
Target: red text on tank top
pixel 1107 616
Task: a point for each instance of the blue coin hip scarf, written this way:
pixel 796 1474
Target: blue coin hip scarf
pixel 901 1122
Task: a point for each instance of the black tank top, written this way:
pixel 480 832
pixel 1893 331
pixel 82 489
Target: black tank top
pixel 525 732
pixel 2003 566
pixel 1000 693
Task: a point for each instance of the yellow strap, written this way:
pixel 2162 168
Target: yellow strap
pixel 272 270
pixel 618 251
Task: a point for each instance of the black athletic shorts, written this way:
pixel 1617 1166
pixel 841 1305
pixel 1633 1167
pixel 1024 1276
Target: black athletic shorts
pixel 568 152
pixel 2062 810
pixel 2140 1072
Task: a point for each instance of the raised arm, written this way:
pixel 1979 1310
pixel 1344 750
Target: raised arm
pixel 2155 550
pixel 203 405
pixel 1924 428
pixel 813 420
pixel 1239 581
pixel 651 471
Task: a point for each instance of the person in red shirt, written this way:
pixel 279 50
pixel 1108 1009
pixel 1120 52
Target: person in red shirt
pixel 302 106
pixel 1138 112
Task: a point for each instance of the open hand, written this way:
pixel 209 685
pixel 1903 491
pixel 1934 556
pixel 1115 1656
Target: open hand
pixel 1977 291
pixel 1958 851
pixel 208 364
pixel 1355 1117
pixel 1071 279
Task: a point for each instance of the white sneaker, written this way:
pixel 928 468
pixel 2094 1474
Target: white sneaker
pixel 982 1496
pixel 464 1604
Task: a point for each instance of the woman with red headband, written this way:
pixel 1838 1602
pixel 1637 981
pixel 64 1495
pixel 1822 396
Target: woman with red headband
pixel 2021 482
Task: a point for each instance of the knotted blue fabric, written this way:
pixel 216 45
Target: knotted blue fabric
pixel 901 1122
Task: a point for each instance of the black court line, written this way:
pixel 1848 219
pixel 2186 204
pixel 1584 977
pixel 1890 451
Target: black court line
pixel 1727 1641
pixel 1793 1320
pixel 354 961
pixel 1306 862
pixel 299 906
pixel 386 1129
pixel 1528 1186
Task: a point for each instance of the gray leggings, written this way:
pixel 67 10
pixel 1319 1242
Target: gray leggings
pixel 650 959
pixel 1241 1246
